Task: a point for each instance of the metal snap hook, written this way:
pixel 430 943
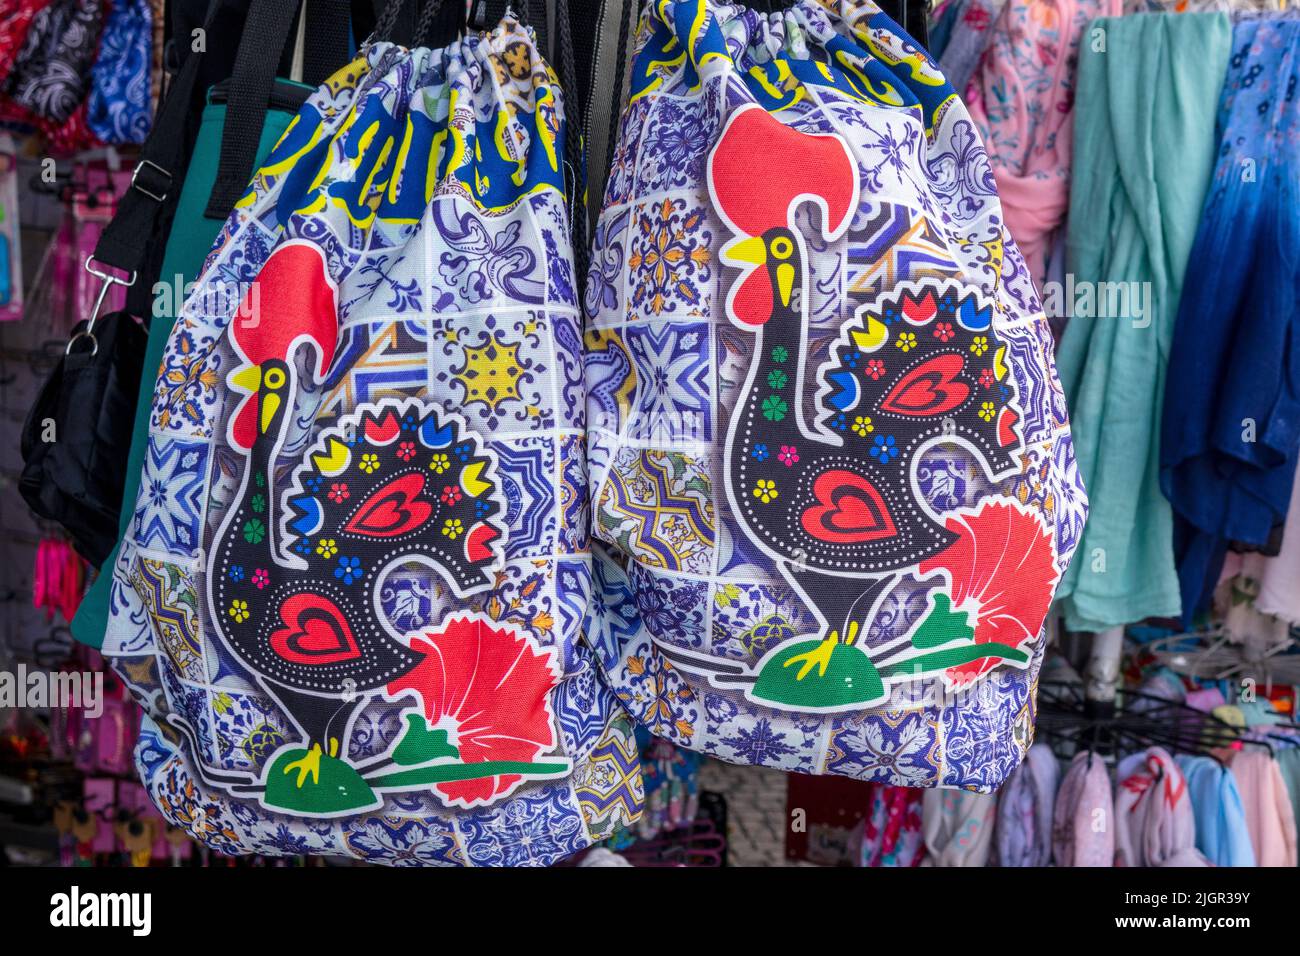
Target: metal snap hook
pixel 106 281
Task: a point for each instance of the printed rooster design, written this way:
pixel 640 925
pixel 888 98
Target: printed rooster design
pixel 296 567
pixel 836 502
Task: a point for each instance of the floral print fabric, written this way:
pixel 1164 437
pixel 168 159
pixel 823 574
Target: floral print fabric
pixel 1022 99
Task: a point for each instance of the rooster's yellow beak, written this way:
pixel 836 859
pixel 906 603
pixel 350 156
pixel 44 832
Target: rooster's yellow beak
pixel 249 378
pixel 750 250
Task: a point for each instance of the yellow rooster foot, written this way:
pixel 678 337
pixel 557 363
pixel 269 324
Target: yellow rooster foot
pixel 820 656
pixel 309 764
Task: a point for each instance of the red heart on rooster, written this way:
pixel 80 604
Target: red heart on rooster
pixel 393 509
pixel 919 311
pixel 315 632
pixel 849 510
pixel 931 388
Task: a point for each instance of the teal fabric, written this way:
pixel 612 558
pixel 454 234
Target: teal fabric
pixel 1144 150
pixel 1221 832
pixel 191 238
pixel 1288 761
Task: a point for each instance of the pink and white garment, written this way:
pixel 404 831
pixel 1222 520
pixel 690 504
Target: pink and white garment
pixel 1082 830
pixel 1021 98
pixel 1024 832
pixel 1154 822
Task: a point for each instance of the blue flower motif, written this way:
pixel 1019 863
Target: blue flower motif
pixel 760 452
pixel 349 570
pixel 236 572
pixel 884 448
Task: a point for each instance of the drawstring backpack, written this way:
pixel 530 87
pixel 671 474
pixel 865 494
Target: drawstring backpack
pixel 351 593
pixel 831 469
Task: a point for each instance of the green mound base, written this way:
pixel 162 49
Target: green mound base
pixel 850 678
pixel 338 789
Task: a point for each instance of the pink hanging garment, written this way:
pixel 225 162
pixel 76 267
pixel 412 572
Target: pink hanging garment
pixel 1154 821
pixel 1021 98
pixel 1083 821
pixel 58 579
pixel 891 835
pixel 1269 816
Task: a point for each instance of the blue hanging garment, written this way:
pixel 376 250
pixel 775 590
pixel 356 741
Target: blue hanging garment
pixel 1229 439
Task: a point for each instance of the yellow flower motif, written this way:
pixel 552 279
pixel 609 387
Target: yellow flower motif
pixel 440 463
pixel 979 345
pixel 726 595
pixel 453 528
pixel 239 611
pixel 906 341
pixel 369 463
pixel 327 547
pixel 765 491
pixel 987 411
pixel 862 424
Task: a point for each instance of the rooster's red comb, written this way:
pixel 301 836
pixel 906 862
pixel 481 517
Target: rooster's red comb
pixel 761 169
pixel 293 299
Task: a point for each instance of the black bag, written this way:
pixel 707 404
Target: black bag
pixel 76 434
pixel 76 441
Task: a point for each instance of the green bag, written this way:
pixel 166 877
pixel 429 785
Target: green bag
pixel 187 246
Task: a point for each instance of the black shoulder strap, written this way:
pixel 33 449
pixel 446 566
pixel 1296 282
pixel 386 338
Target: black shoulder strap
pixel 326 40
pixel 266 32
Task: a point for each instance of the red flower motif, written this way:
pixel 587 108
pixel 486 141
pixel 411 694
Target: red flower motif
pixel 490 689
pixel 406 450
pixel 450 495
pixel 339 493
pixel 261 578
pixel 943 331
pixel 1002 569
pixel 875 369
pixel 986 378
